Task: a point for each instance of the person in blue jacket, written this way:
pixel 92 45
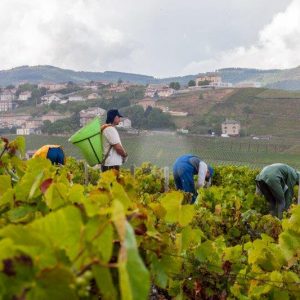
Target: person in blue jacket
pixel 184 169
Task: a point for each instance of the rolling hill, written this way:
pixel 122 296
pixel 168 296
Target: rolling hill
pixel 288 79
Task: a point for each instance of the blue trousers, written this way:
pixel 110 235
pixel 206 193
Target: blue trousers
pixel 56 155
pixel 184 178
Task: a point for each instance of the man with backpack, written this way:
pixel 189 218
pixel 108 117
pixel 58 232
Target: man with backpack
pixel 114 153
pixel 276 182
pixel 184 169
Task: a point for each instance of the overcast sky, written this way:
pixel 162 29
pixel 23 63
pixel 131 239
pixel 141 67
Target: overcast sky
pixel 154 37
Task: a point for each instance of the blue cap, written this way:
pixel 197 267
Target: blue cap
pixel 211 171
pixel 111 114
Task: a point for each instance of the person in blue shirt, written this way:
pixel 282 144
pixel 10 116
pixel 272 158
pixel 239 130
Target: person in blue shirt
pixel 184 169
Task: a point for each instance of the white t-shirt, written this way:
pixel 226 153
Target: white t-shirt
pixel 202 174
pixel 111 137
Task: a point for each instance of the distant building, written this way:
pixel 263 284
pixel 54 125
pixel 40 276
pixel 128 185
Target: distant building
pixel 212 79
pixel 183 131
pixel 93 96
pixel 177 113
pixel 24 96
pixel 53 116
pixel 147 102
pixel 166 92
pixel 231 128
pixel 10 120
pixel 117 88
pixel 33 123
pixel 27 131
pixel 6 105
pixel 125 123
pixel 52 86
pixel 7 95
pixel 76 98
pixel 248 84
pixel 89 114
pixel 49 98
pixel 158 90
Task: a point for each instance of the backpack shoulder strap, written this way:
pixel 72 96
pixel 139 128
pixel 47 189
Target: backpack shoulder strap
pixel 104 126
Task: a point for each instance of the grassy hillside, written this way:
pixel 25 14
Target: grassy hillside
pixel 260 111
pixel 263 112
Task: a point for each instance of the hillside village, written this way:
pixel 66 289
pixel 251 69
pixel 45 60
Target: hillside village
pixel 62 108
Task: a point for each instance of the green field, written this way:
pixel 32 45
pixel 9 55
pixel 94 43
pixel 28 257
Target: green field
pixel 163 149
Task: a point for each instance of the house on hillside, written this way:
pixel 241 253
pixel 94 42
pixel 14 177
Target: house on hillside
pixel 76 98
pixel 27 131
pixel 231 128
pixel 177 113
pixel 147 102
pixel 53 116
pixel 49 98
pixel 6 105
pixel 7 95
pixel 159 90
pixel 52 86
pixel 89 114
pixel 166 92
pixel 24 96
pixel 125 123
pixel 212 79
pixel 248 84
pixel 117 88
pixel 34 123
pixel 93 96
pixel 11 120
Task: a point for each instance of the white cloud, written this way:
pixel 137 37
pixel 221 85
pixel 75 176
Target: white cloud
pixel 152 37
pixel 278 46
pixel 76 34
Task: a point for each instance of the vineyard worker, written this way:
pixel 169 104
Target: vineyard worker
pixel 114 153
pixel 54 153
pixel 276 182
pixel 184 169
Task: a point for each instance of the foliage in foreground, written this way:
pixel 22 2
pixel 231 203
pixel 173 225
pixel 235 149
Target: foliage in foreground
pixel 123 237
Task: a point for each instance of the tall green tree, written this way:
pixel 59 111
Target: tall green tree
pixel 192 83
pixel 174 85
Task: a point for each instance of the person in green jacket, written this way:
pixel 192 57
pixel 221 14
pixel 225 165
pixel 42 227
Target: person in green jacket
pixel 276 182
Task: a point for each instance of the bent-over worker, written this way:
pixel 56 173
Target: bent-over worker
pixel 184 169
pixel 276 182
pixel 54 153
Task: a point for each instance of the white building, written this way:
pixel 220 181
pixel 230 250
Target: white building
pixel 167 92
pixel 212 79
pixel 89 114
pixel 76 98
pixel 27 131
pixel 159 90
pixel 6 105
pixel 49 98
pixel 93 96
pixel 231 128
pixel 7 96
pixel 52 86
pixel 125 123
pixel 24 96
